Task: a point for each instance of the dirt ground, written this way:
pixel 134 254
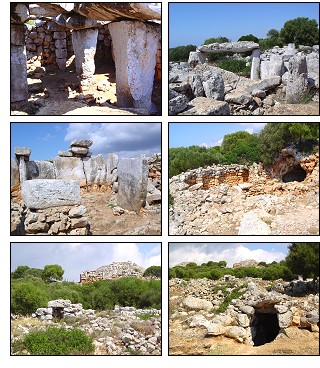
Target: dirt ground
pixel 103 222
pixel 310 108
pixel 57 93
pixel 194 342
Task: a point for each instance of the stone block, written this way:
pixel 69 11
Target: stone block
pixel 79 150
pixel 81 143
pixel 59 35
pixel 69 168
pixel 22 151
pixel 196 58
pixel 45 193
pixel 18 34
pixel 40 170
pixel 135 47
pixel 18 77
pixel 111 167
pixel 61 53
pixel 14 173
pixel 19 13
pixel 95 169
pixel 133 181
pixel 206 106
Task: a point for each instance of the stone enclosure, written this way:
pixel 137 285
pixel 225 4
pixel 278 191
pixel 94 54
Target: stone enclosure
pixel 127 35
pixel 287 75
pixel 51 190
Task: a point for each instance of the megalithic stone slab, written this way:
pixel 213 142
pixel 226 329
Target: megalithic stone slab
pixel 135 47
pixel 133 182
pixel 45 193
pixel 239 46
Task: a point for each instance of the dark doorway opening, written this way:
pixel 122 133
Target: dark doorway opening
pixel 264 328
pixel 57 312
pixel 296 174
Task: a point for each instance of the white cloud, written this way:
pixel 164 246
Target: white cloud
pixel 77 257
pixel 125 139
pixel 253 127
pixel 229 252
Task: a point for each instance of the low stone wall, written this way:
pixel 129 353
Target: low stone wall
pixel 64 220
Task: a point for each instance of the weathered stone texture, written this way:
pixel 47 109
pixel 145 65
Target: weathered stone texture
pixel 44 193
pixel 134 47
pixel 132 179
pixel 240 46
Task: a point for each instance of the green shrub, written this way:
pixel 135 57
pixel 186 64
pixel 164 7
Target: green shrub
pixel 26 298
pixel 234 66
pixel 249 37
pixel 58 341
pixel 181 53
pixel 234 294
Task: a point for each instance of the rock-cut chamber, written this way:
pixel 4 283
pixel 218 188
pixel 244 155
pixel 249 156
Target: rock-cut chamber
pixel 296 174
pixel 264 326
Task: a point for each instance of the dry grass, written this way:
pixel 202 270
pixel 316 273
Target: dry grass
pixel 144 327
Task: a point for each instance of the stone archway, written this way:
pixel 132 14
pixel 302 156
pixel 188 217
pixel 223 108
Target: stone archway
pixel 297 173
pixel 264 325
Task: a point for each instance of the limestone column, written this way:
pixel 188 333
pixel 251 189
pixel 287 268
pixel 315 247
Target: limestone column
pixel 255 65
pixel 22 155
pixel 84 43
pixel 132 183
pixel 297 83
pixel 134 48
pixel 19 14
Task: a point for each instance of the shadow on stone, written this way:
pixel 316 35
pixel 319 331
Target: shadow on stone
pixel 265 326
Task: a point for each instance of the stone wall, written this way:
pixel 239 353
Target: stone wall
pixel 62 220
pixel 114 270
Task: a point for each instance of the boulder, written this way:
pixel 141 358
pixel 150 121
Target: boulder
pixel 81 151
pixel 40 170
pixel 264 85
pixel 213 85
pixel 240 98
pixel 177 104
pixel 81 143
pixel 69 168
pixel 236 332
pixel 197 304
pixel 14 173
pixel 251 224
pixel 240 46
pixel 22 151
pixel 297 82
pixel 95 169
pixel 206 106
pixel 196 58
pixel 45 193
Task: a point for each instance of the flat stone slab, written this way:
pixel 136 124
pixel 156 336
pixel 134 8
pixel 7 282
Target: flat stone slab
pixel 240 46
pixel 45 193
pixel 86 143
pixel 22 151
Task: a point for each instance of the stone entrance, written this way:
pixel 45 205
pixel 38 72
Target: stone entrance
pixel 264 326
pixel 296 174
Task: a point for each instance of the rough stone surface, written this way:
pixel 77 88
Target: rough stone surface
pixel 196 58
pixel 297 82
pixel 197 304
pixel 214 86
pixel 43 193
pixel 22 151
pixel 240 46
pixel 40 170
pixel 69 168
pixel 251 224
pixel 132 179
pixel 206 106
pixel 134 47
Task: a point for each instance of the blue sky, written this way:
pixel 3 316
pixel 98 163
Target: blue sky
pixel 229 252
pixel 192 23
pixel 206 134
pixel 77 257
pixel 125 139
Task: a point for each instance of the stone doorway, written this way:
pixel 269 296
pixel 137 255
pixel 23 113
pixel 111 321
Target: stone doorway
pixel 264 326
pixel 57 312
pixel 296 174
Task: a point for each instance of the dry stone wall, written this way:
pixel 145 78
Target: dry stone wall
pixel 114 270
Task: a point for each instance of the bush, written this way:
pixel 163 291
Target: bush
pixel 58 341
pixel 153 271
pixel 249 37
pixel 181 53
pixel 269 43
pixel 234 66
pixel 301 31
pixel 26 298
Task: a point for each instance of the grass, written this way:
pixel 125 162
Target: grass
pixel 218 350
pixel 234 294
pixel 146 316
pixel 142 327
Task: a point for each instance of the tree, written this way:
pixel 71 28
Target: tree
pixel 216 274
pixel 19 272
pixel 222 264
pixel 249 37
pixel 219 39
pixel 154 271
pixel 301 31
pixel 181 53
pixel 303 259
pixel 53 273
pixel 273 33
pixel 303 130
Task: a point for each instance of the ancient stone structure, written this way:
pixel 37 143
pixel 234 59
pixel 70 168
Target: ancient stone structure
pixel 22 155
pixel 114 270
pixel 289 71
pixel 256 317
pixel 79 29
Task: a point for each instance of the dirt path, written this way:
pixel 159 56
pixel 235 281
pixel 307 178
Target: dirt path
pixel 194 342
pixel 104 222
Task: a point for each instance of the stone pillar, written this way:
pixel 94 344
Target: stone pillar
pixel 111 168
pixel 22 155
pixel 61 48
pixel 19 84
pixel 297 84
pixel 255 65
pixel 195 58
pixel 133 181
pixel 84 43
pixel 134 48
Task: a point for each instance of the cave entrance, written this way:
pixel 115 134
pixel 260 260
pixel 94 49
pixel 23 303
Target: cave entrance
pixel 296 174
pixel 58 312
pixel 264 326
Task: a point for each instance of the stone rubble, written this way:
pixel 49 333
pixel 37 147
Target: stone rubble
pixel 282 75
pixel 120 331
pixel 238 321
pixel 230 200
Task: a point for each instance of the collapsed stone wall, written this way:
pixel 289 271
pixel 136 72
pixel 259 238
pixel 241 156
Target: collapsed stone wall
pixel 114 270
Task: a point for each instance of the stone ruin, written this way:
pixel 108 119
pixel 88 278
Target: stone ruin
pixel 51 190
pixel 126 34
pixel 258 316
pixel 112 271
pixel 290 74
